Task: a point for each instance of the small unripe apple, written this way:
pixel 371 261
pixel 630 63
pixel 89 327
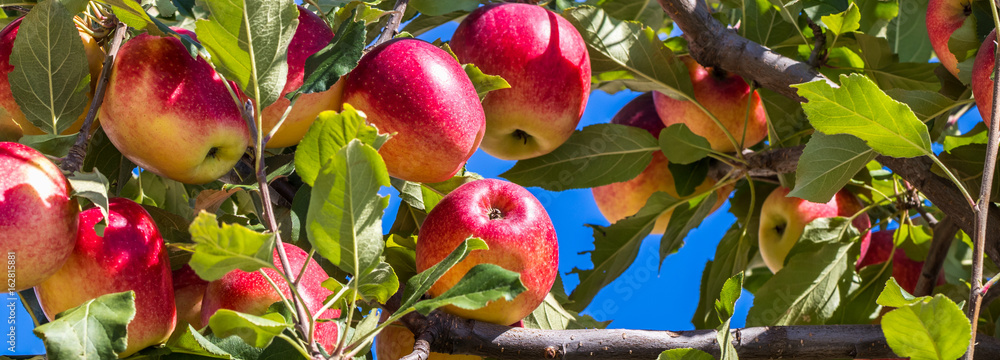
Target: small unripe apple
pixel 725 95
pixel 545 61
pixel 982 69
pixel 784 218
pixel 250 292
pixel 311 35
pixel 170 113
pixel 38 218
pixel 130 256
pixel 943 18
pixel 517 230
pixel 12 119
pixel 421 94
pixel 619 200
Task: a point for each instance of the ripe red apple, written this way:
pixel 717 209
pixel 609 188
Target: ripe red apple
pixel 130 256
pixel 170 113
pixel 38 219
pixel 618 200
pixel 545 61
pixel 11 116
pixel 189 290
pixel 311 35
pixel 943 18
pixel 726 96
pixel 249 292
pixel 783 218
pixel 517 229
pixel 419 92
pixel 982 69
pixel 905 270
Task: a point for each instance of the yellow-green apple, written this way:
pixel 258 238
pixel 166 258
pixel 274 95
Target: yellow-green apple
pixel 189 290
pixel 621 199
pixel 419 92
pixel 11 117
pixel 519 234
pixel 726 96
pixel 311 35
pixel 170 113
pixel 783 219
pixel 943 18
pixel 38 218
pixel 906 271
pixel 250 292
pixel 130 256
pixel 982 69
pixel 545 61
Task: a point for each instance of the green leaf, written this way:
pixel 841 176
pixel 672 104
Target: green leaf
pixel 52 145
pixel 731 257
pixel 925 104
pixel 482 82
pixel 422 282
pixel 327 65
pixel 687 178
pixel 725 339
pixel 424 23
pixel 763 23
pixel 616 247
pixel 682 146
pixel 930 329
pixel 92 186
pixel 327 135
pixel 805 291
pixel 437 7
pixel 727 298
pixel 827 164
pixel 367 325
pixel 95 330
pixel 258 331
pixel 483 284
pixel 894 296
pixel 964 42
pixel 248 41
pixel 908 76
pixel 345 209
pixel 683 219
pixel 50 68
pixel 861 109
pixel 844 22
pixel 130 12
pixel 597 155
pixel 789 9
pixel 424 196
pixel 379 284
pixel 684 354
pixel 646 12
pixel 220 249
pixel 616 45
pixel 194 343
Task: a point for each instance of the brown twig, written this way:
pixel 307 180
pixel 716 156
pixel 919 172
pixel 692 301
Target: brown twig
pixel 390 29
pixel 818 53
pixel 944 234
pixel 74 160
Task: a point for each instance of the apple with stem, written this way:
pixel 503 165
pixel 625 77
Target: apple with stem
pixel 784 218
pixel 131 255
pixel 943 18
pixel 251 293
pixel 982 70
pixel 187 126
pixel 419 93
pixel 12 119
pixel 38 218
pixel 725 95
pixel 619 200
pixel 545 61
pixel 517 230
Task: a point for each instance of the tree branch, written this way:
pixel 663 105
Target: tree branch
pixel 390 29
pixel 944 234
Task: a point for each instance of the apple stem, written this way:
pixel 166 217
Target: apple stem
pixel 394 20
pixel 74 160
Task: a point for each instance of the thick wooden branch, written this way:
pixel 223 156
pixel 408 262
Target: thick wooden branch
pixel 713 44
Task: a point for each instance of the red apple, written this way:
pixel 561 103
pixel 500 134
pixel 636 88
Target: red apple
pixel 189 290
pixel 11 116
pixel 545 61
pixel 943 18
pixel 38 219
pixel 130 256
pixel 621 199
pixel 311 35
pixel 517 229
pixel 419 92
pixel 249 292
pixel 905 270
pixel 170 113
pixel 726 96
pixel 982 69
pixel 783 219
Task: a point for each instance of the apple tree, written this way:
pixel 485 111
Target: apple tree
pixel 866 223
